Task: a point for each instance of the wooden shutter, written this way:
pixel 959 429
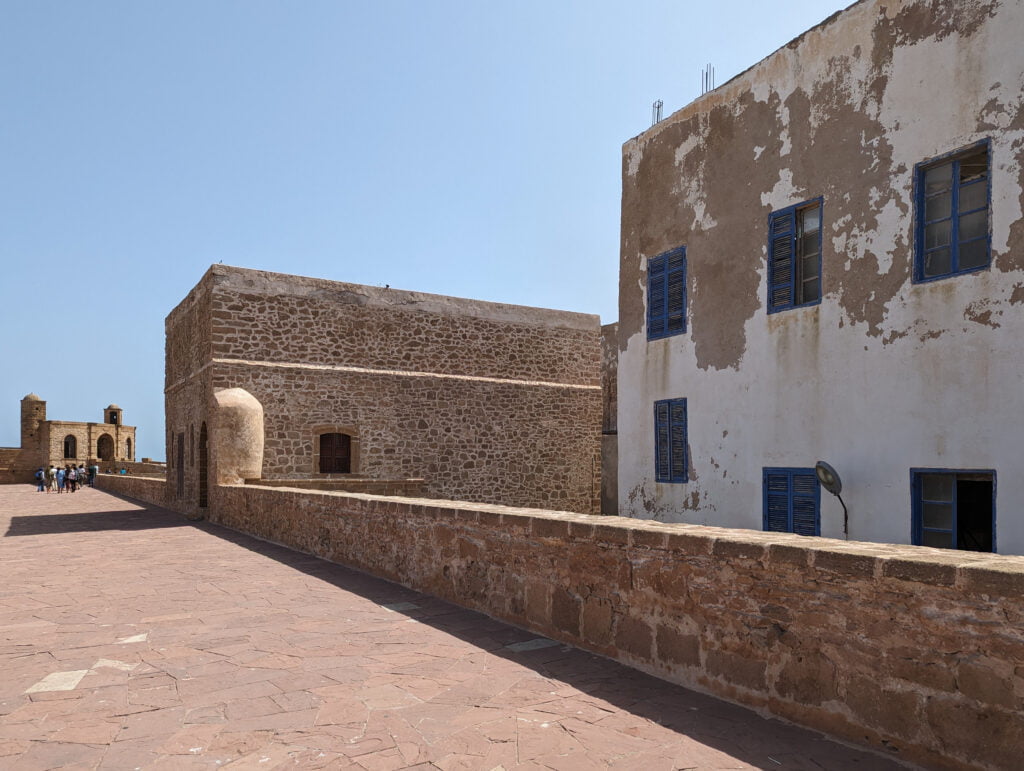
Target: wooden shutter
pixel 805 503
pixel 677 440
pixel 663 469
pixel 676 292
pixel 657 283
pixel 782 235
pixel 776 501
pixel 335 454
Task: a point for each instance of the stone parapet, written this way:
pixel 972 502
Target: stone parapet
pixel 149 489
pixel 913 650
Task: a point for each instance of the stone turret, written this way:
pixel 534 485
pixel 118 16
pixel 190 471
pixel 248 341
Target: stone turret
pixel 33 423
pixel 113 415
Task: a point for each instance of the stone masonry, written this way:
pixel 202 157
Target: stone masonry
pixel 482 401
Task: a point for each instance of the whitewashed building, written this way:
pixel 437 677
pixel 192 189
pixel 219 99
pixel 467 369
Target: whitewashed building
pixel 823 260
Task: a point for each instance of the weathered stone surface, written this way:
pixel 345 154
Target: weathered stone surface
pixel 883 659
pixel 481 401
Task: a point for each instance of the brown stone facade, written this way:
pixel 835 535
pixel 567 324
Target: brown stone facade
pixel 918 652
pixel 60 442
pixel 482 401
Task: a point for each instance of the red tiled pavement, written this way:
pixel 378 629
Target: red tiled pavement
pixel 130 638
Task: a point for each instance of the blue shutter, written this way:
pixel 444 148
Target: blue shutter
pixel 666 294
pixel 657 289
pixel 776 501
pixel 676 292
pixel 805 503
pixel 781 253
pixel 792 501
pixel 677 447
pixel 670 457
pixel 662 442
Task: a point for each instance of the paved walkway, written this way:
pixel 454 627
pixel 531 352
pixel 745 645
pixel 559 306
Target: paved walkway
pixel 130 638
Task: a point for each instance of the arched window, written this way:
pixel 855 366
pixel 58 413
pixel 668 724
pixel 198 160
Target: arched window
pixel 128 449
pixel 105 447
pixel 70 447
pixel 335 454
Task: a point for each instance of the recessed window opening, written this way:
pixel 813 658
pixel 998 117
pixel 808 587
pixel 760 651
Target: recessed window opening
pixel 70 447
pixel 335 454
pixel 954 510
pixel 952 215
pixel 794 256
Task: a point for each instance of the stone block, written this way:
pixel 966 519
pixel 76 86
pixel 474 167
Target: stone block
pixel 634 636
pixel 735 669
pixel 565 612
pixel 676 648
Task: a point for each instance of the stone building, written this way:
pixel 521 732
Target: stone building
pixel 335 383
pixel 823 259
pixel 62 442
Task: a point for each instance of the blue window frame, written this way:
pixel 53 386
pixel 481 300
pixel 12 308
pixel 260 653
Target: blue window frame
pixel 954 509
pixel 670 455
pixel 666 294
pixel 794 256
pixel 792 501
pixel 952 214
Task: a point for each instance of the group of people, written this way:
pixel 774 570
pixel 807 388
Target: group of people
pixel 69 478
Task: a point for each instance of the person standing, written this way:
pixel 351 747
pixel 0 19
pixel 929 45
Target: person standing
pixel 93 471
pixel 41 480
pixel 51 479
pixel 72 478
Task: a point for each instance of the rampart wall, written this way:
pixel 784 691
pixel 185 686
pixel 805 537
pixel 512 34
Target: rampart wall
pixel 917 651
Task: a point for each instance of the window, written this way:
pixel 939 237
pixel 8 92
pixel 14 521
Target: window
pixel 335 454
pixel 670 457
pixel 794 256
pixel 952 215
pixel 666 294
pixel 127 449
pixel 70 447
pixel 792 499
pixel 954 509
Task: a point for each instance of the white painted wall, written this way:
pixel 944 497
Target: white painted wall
pixel 941 386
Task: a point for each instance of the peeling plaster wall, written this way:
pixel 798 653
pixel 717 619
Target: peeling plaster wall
pixel 884 375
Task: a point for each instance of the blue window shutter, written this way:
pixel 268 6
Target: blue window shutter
pixel 662 442
pixel 776 501
pixel 792 498
pixel 677 445
pixel 781 253
pixel 657 289
pixel 666 294
pixel 806 491
pixel 676 292
pixel 670 456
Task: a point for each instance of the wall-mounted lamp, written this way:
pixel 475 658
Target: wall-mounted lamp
pixel 829 479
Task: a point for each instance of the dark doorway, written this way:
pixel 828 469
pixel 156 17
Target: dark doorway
pixel 105 447
pixel 335 454
pixel 128 449
pixel 203 466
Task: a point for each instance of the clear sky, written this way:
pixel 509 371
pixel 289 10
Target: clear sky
pixel 465 148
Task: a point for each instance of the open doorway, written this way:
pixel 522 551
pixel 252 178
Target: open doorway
pixel 954 509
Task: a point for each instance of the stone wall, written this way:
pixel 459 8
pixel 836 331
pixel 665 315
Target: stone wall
pixel 916 651
pixel 483 401
pixel 10 468
pixel 405 488
pixel 149 489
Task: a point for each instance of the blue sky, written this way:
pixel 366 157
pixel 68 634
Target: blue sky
pixel 462 148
